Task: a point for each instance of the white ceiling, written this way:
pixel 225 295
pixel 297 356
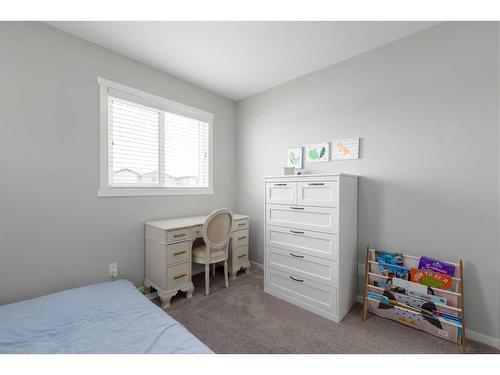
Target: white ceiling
pixel 240 59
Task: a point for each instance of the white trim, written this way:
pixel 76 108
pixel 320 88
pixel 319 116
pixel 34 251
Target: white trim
pixel 157 101
pixel 139 192
pixel 105 190
pixel 257 266
pixel 483 339
pixel 472 335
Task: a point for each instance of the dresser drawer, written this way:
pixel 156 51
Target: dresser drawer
pixel 324 193
pixel 301 291
pixel 281 192
pixel 196 231
pixel 178 252
pixel 317 244
pixel 240 224
pixel 178 275
pixel 240 238
pixel 322 219
pixel 308 267
pixel 177 235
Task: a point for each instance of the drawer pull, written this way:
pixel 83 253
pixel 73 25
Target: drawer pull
pixel 241 256
pixel 296 208
pixel 298 280
pixel 180 252
pixel 180 276
pixel 241 224
pixel 280 184
pixel 242 238
pixel 179 235
pixel 297 256
pixel 316 184
pixel 296 231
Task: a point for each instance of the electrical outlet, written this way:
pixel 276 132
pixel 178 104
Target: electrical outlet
pixel 113 270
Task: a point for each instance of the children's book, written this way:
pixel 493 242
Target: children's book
pixel 411 289
pixel 437 266
pixel 432 279
pixel 428 297
pixel 408 285
pixel 389 258
pixel 392 270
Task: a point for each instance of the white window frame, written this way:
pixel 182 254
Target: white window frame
pixel 105 190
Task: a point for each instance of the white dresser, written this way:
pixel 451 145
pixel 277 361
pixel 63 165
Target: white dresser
pixel 311 241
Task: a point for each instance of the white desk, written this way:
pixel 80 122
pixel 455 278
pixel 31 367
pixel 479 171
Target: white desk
pixel 168 253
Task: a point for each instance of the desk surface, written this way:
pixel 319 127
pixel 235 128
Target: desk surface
pixel 182 222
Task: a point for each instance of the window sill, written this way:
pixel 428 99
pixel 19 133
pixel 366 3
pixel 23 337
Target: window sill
pixel 141 192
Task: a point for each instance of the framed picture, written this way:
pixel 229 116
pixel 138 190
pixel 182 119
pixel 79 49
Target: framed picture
pixel 344 149
pixel 318 152
pixel 294 158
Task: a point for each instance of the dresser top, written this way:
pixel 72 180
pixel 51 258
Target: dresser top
pixel 313 176
pixel 182 222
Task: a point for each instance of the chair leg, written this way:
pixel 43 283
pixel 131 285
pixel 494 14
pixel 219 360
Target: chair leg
pixel 207 279
pixel 225 274
pixel 213 269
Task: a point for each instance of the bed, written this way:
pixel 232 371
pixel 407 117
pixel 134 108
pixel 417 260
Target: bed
pixel 110 317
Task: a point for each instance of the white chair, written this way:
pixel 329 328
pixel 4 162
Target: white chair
pixel 216 234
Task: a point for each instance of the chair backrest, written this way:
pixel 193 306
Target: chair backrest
pixel 217 229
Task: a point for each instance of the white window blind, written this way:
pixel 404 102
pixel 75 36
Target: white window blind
pixel 150 147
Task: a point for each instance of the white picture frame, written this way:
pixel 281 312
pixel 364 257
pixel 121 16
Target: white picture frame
pixel 295 158
pixel 318 152
pixel 345 149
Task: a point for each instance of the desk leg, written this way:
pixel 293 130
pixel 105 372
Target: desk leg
pixel 165 299
pixel 189 290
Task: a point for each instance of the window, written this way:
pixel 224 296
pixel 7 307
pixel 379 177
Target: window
pixel 151 145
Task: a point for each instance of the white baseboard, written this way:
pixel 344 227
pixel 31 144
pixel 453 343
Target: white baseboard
pixel 476 336
pixel 257 266
pixel 483 339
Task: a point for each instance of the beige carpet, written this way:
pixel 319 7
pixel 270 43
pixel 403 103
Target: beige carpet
pixel 244 319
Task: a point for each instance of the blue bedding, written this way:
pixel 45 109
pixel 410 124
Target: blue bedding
pixel 110 317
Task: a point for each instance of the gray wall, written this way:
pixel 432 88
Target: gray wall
pixel 54 231
pixel 426 109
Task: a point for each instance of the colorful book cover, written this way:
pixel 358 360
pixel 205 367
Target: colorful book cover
pixel 410 286
pixel 435 265
pixel 389 258
pixel 428 297
pixel 392 270
pixel 429 278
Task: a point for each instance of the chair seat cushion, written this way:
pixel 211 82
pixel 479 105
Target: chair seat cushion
pixel 199 253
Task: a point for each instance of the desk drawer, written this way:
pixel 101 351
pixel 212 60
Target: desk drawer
pixel 240 255
pixel 178 252
pixel 322 219
pixel 317 244
pixel 240 224
pixel 303 292
pixel 320 270
pixel 177 235
pixel 178 275
pixel 197 231
pixel 240 238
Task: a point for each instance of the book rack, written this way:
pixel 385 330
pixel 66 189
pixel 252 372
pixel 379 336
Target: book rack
pixel 447 330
